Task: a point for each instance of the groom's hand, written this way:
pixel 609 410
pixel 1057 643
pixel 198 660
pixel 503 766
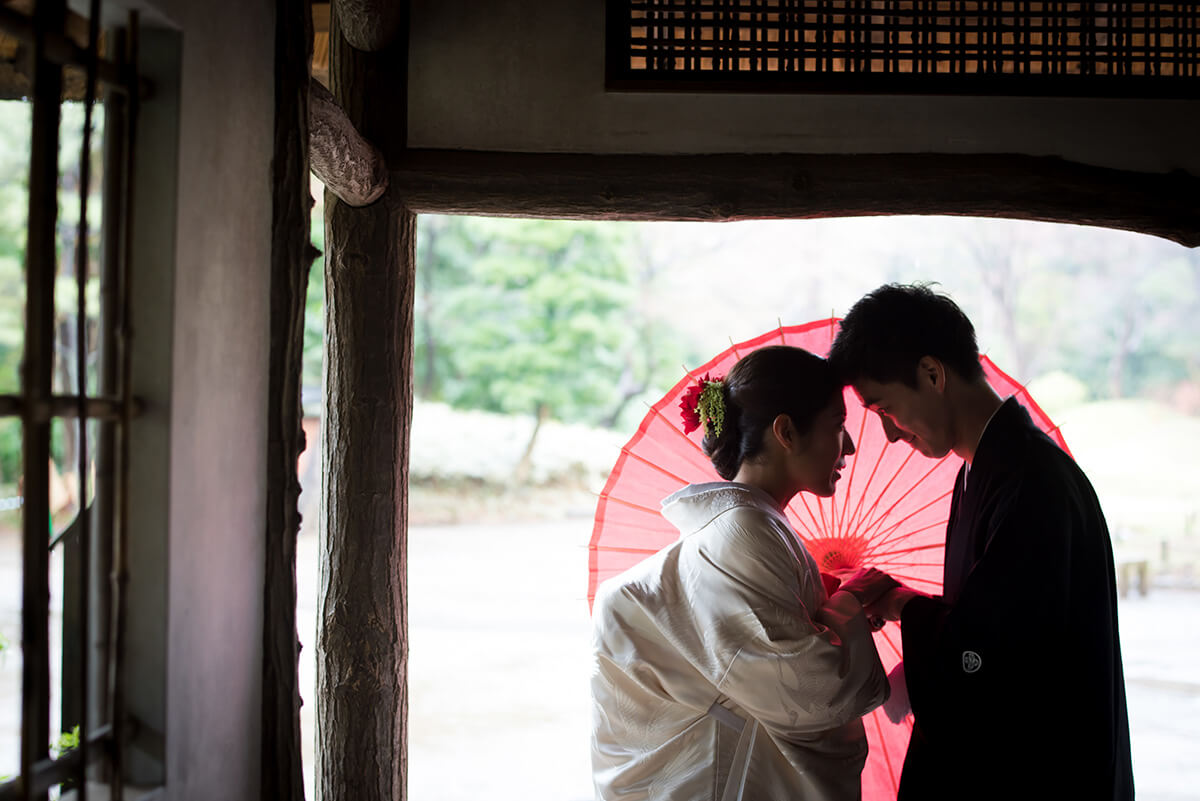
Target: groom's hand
pixel 890 605
pixel 869 585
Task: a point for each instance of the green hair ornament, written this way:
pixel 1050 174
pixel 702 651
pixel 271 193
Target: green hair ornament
pixel 704 404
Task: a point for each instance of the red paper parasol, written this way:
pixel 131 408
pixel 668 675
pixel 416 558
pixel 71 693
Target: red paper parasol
pixel 889 511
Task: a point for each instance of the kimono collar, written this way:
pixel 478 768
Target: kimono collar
pixel 693 507
pixel 966 464
pixel 1007 418
pixel 983 432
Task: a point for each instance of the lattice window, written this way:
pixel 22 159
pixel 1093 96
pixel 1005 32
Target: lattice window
pixel 77 89
pixel 929 46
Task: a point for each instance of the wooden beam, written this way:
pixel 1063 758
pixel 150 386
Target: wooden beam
pixel 67 48
pixel 349 166
pixel 738 187
pixel 370 25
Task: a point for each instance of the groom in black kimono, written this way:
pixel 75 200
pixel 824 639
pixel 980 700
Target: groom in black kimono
pixel 1014 672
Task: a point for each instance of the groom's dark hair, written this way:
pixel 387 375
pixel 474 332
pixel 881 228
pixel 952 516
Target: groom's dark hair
pixel 887 332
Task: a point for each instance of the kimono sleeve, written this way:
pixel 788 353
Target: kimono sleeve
pixel 796 670
pixel 971 665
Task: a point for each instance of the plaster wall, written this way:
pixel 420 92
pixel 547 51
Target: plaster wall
pixel 202 323
pixel 528 76
pixel 147 606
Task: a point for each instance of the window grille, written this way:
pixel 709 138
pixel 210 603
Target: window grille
pixel 1018 47
pixel 74 388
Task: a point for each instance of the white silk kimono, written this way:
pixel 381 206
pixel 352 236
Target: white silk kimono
pixel 731 618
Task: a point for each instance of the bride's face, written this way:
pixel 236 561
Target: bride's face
pixel 822 455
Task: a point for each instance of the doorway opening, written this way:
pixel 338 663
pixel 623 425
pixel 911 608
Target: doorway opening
pixel 1100 324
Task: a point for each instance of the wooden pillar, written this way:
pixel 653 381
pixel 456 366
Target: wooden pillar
pixel 362 704
pixel 282 774
pixel 36 387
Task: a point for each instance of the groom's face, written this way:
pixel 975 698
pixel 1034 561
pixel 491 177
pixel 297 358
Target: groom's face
pixel 914 415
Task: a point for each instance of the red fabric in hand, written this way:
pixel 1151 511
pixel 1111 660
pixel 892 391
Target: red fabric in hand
pixel 831 583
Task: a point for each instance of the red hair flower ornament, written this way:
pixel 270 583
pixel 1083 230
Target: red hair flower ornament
pixel 704 404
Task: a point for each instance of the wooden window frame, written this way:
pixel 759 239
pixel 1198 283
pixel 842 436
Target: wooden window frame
pixel 94 543
pixel 890 47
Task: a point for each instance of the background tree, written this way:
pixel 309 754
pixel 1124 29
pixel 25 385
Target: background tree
pixel 540 321
pixel 1119 311
pixel 526 317
pixel 1121 307
pixel 314 302
pixel 653 358
pixel 447 247
pixel 592 286
pixel 14 189
pixel 14 192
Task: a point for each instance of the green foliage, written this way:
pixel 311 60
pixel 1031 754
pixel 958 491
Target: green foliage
pixel 10 450
pixel 67 741
pixel 447 247
pixel 529 316
pixel 1130 326
pixel 546 303
pixel 314 301
pixel 15 123
pixel 711 407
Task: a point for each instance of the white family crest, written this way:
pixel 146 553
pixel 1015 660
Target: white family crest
pixel 971 662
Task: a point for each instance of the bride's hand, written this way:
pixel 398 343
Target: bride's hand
pixel 868 585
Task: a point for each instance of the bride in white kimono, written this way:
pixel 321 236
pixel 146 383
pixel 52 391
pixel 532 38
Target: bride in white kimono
pixel 722 668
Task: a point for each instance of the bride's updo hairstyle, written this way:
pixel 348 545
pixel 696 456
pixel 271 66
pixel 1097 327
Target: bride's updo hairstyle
pixel 774 380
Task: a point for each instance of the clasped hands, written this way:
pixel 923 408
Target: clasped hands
pixel 881 595
pixel 883 599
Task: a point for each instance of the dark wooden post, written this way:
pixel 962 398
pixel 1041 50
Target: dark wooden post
pixel 362 703
pixel 362 666
pixel 291 258
pixel 36 388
